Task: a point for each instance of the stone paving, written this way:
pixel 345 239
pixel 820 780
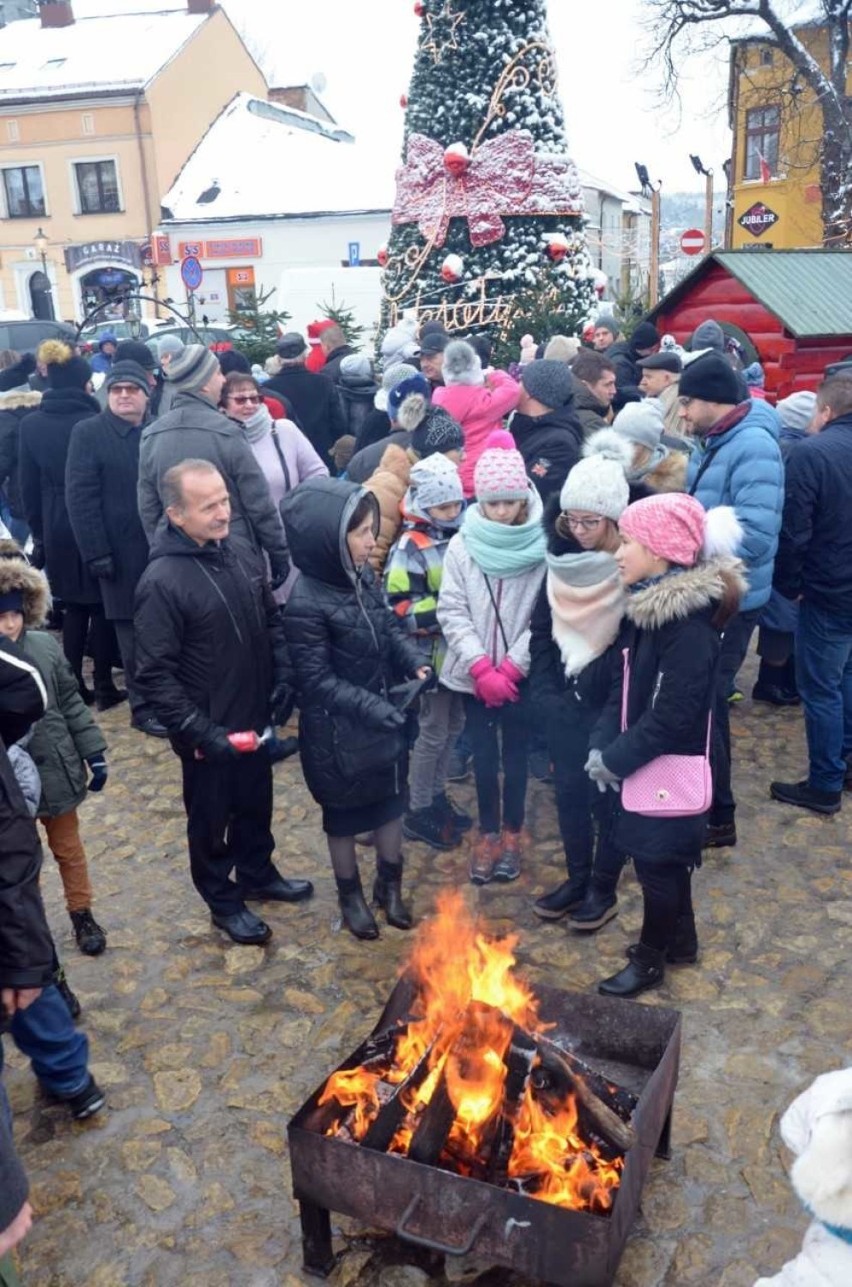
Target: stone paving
pixel 205 1048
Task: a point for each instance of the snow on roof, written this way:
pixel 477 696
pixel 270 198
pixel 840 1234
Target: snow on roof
pixel 268 160
pixel 634 204
pixel 117 52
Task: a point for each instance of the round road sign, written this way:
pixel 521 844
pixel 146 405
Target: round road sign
pixel 693 241
pixel 191 272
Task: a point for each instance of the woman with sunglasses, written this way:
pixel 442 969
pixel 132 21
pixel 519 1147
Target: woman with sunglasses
pixel 574 629
pixel 282 451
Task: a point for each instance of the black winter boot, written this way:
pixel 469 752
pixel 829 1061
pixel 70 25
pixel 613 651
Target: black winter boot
pixel 357 917
pixel 566 898
pixel 645 969
pixel 596 910
pixel 387 894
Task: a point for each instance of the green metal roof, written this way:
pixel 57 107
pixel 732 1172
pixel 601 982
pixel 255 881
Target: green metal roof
pixel 809 291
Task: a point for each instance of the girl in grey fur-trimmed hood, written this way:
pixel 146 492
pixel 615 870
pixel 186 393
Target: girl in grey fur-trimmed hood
pixel 683 584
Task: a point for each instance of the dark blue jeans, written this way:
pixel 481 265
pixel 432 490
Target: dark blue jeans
pixel 824 677
pixel 499 739
pixel 45 1033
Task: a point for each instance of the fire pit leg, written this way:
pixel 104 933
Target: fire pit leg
pixel 318 1257
pixel 664 1146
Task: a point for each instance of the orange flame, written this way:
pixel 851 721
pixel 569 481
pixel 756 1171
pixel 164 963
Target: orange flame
pixel 468 1003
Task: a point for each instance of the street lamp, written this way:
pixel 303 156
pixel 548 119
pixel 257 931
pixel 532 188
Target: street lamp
pixel 699 168
pixel 134 324
pixel 649 190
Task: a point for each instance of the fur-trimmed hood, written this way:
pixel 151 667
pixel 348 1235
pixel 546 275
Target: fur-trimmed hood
pixel 682 592
pixel 17 575
pixel 19 399
pixel 670 474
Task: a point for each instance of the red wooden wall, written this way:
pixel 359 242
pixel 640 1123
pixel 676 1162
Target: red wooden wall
pixel 789 364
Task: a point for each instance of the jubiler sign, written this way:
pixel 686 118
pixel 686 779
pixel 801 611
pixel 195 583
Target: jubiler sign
pixel 757 219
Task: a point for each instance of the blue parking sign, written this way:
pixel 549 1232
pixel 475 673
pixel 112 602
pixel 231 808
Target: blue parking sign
pixel 354 254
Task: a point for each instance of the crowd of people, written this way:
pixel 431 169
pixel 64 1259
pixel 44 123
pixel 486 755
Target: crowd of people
pixel 556 568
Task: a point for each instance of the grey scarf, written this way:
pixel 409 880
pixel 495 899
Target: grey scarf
pixel 258 425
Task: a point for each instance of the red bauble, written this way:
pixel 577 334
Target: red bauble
pixel 456 159
pixel 403 101
pixel 382 256
pixel 557 247
pixel 419 8
pixel 452 269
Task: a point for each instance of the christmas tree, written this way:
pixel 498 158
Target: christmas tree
pixel 489 206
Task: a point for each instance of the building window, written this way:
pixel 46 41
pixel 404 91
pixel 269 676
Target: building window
pixel 24 192
pixel 13 132
pixel 97 185
pixel 242 295
pixel 763 125
pixel 765 57
pixel 87 123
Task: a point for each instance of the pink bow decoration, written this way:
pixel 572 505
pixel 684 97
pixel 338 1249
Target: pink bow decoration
pixel 504 177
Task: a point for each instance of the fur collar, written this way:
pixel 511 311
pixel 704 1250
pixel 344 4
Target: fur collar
pixel 670 474
pixel 15 399
pixel 15 574
pixel 674 598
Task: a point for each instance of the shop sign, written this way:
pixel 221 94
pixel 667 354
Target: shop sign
pixel 120 252
pixel 227 248
pixel 757 219
pixel 161 250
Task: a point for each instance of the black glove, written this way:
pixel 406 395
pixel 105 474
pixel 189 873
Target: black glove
pixel 102 569
pixel 281 748
pixel 392 720
pixel 282 701
pixel 37 558
pixel 217 749
pixel 279 570
pixel 98 766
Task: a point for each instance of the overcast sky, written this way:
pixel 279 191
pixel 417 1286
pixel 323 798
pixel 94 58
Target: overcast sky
pixel 366 53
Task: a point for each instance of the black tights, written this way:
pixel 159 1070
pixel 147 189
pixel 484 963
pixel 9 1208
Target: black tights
pixel 388 843
pixel 75 629
pixel 667 897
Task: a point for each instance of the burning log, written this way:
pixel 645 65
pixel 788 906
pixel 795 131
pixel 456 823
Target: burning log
pixel 519 1060
pixel 561 1073
pixel 432 1130
pixel 393 1112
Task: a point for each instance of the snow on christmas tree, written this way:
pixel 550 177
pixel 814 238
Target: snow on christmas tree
pixel 488 213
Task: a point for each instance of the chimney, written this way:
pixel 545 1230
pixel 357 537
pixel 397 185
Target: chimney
pixel 56 13
pixel 200 6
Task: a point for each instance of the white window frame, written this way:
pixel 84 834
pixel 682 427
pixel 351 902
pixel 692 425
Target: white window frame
pixel 22 165
pixel 75 191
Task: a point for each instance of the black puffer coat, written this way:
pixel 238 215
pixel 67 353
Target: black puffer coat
pixel 346 647
pixel 45 437
pixel 209 638
pixel 101 477
pixel 550 445
pixel 14 405
pixel 673 649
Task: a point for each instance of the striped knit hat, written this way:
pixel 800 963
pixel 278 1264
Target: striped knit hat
pixel 191 369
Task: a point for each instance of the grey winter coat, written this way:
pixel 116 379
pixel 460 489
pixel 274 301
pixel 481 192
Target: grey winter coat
pixel 66 735
pixel 468 619
pixel 194 429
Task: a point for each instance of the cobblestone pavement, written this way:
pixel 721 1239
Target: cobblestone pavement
pixel 206 1048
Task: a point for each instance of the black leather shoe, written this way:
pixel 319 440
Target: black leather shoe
pixel 720 835
pixel 775 695
pixel 595 911
pixel 243 926
pixel 646 969
pixel 280 890
pixel 387 894
pixel 805 796
pixel 357 917
pixel 106 698
pixel 151 726
pixel 566 898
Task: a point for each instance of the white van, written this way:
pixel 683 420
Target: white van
pixel 302 292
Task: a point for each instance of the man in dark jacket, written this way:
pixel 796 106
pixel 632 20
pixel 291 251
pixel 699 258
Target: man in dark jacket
pixel 814 564
pixel 101 476
pixel 594 390
pixel 313 397
pixel 26 949
pixel 16 399
pixel 196 428
pixel 625 355
pixel 210 663
pixel 334 346
pixel 548 433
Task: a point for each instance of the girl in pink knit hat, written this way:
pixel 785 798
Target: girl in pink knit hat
pixel 491 577
pixel 683 584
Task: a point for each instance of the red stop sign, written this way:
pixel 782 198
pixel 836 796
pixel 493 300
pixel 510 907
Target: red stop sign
pixel 693 241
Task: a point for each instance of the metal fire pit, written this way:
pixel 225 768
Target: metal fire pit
pixel 636 1046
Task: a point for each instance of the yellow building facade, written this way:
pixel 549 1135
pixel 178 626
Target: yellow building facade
pixel 90 142
pixel 774 181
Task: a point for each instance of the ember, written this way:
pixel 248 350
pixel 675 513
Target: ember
pixel 470 1082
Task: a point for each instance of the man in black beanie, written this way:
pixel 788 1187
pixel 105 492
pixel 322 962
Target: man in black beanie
pixel 625 356
pixel 738 464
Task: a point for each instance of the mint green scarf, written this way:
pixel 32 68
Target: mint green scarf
pixel 502 551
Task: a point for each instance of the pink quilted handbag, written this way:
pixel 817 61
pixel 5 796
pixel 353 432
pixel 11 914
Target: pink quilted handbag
pixel 671 786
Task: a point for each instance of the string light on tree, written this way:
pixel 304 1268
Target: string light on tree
pixel 486 177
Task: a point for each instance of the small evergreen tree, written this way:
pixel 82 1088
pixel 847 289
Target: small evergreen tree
pixel 345 319
pixel 261 328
